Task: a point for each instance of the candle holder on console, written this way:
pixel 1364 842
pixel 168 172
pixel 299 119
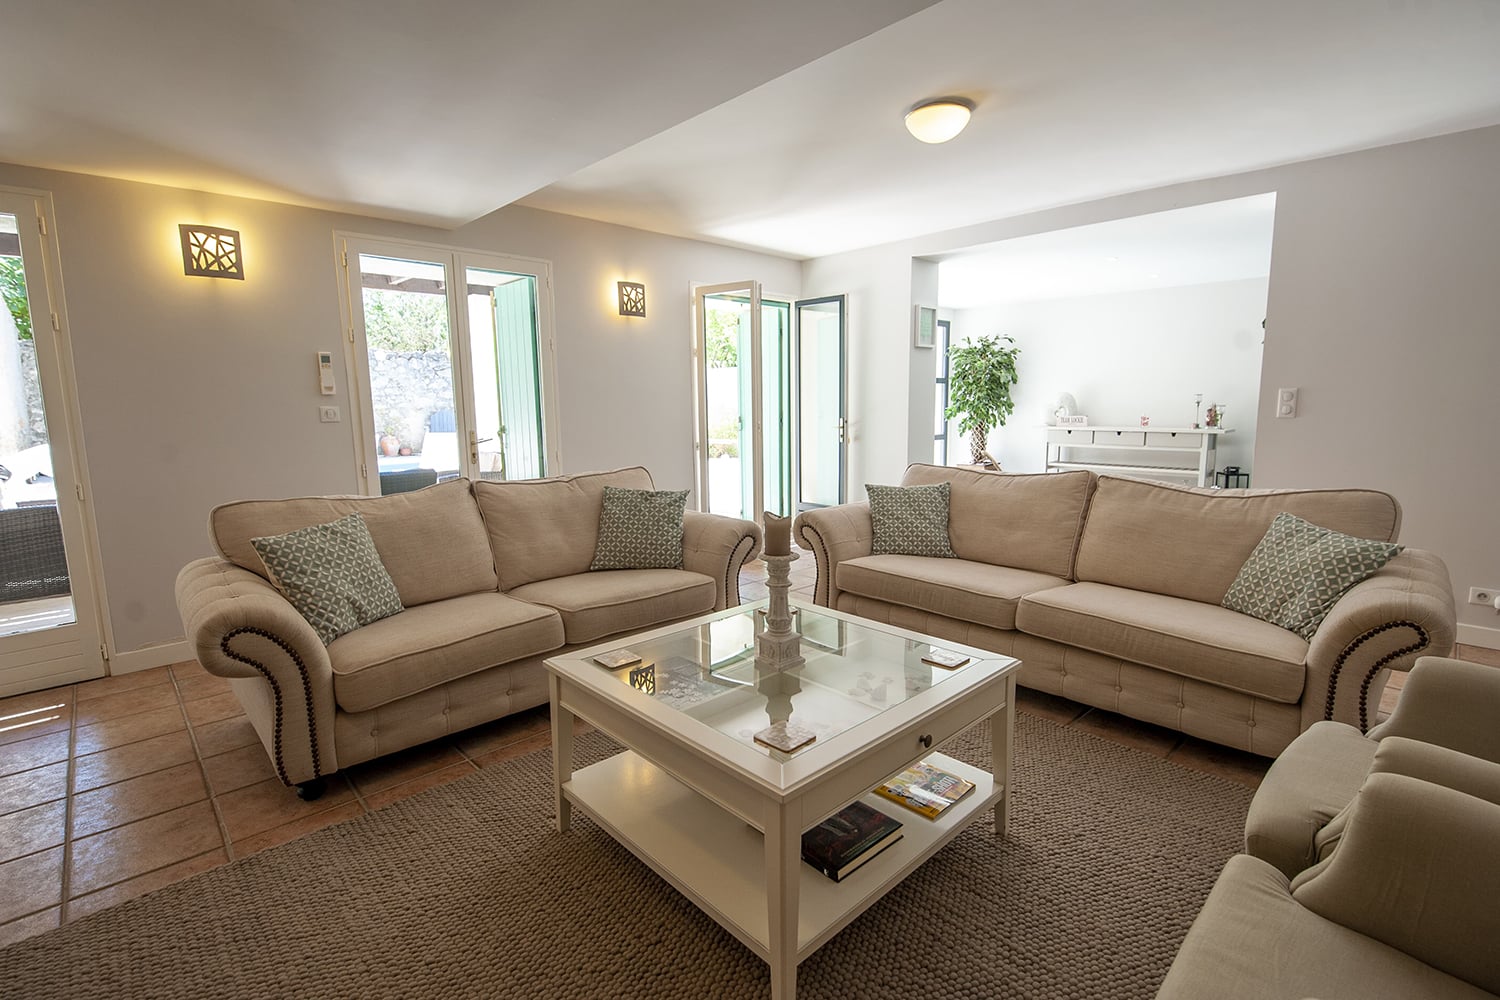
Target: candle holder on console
pixel 778 646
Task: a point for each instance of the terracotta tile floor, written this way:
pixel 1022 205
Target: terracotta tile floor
pixel 115 787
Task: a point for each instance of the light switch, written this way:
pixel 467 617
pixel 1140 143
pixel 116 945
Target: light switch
pixel 328 414
pixel 1286 403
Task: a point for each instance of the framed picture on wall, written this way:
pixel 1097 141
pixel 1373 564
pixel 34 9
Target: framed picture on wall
pixel 924 327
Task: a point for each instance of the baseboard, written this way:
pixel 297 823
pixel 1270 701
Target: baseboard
pixel 1479 635
pixel 151 656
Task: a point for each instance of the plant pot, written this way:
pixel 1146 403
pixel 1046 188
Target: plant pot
pixel 390 445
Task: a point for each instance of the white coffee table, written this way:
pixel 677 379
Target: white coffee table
pixel 720 816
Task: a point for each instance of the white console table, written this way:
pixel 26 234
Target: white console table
pixel 1139 451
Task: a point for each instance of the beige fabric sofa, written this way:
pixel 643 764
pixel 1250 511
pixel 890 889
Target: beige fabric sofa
pixel 1108 590
pixel 1403 906
pixel 493 577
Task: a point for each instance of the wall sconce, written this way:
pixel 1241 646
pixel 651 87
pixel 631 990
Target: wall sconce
pixel 632 298
pixel 211 252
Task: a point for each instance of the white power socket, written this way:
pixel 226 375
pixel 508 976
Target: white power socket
pixel 1483 595
pixel 1286 404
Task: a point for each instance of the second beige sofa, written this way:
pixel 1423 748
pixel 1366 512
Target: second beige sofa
pixel 1108 589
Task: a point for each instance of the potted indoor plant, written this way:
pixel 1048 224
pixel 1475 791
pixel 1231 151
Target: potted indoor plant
pixel 980 374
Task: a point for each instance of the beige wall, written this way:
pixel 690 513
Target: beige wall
pixel 195 391
pixel 1384 309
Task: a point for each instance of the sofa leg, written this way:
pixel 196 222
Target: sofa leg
pixel 309 790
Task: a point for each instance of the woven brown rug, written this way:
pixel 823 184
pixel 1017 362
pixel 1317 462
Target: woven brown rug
pixel 466 891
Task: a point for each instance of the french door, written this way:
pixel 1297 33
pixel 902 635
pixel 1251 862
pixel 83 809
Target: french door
pixel 49 604
pixel 770 401
pixel 453 352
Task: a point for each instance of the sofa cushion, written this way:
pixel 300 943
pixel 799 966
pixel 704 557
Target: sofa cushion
pixel 639 529
pixel 435 643
pixel 546 528
pixel 431 541
pixel 594 605
pixel 910 520
pixel 1202 641
pixel 1300 570
pixel 332 575
pixel 955 588
pixel 1191 542
pixel 1024 521
pixel 1252 941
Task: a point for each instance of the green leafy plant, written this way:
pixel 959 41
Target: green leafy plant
pixel 405 321
pixel 13 290
pixel 980 376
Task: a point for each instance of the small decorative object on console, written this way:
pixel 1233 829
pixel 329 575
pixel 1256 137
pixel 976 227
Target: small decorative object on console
pixel 945 658
pixel 617 658
pixel 785 736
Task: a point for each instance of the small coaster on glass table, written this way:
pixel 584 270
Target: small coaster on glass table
pixel 785 736
pixel 617 658
pixel 945 658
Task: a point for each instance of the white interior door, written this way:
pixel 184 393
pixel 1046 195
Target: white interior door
pixel 49 602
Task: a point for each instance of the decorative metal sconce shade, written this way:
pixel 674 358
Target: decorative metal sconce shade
pixel 632 298
pixel 211 252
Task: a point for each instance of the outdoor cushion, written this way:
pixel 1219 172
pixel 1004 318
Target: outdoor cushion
pixel 331 574
pixel 431 541
pixel 541 529
pixel 429 645
pixel 910 520
pixel 1202 641
pixel 594 605
pixel 1026 521
pixel 639 529
pixel 955 588
pixel 1300 570
pixel 1191 542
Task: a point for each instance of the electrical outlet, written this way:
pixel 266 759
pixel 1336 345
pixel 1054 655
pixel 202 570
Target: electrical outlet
pixel 328 414
pixel 1483 595
pixel 1286 403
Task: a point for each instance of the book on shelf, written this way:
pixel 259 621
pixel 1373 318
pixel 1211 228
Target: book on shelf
pixel 846 840
pixel 925 789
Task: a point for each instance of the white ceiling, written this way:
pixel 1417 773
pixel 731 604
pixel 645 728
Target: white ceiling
pixel 774 125
pixel 1223 241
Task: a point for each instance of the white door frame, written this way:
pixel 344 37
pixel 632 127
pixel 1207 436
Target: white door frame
pixel 700 383
pixel 67 653
pixel 454 260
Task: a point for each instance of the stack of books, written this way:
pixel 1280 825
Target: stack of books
pixel 847 839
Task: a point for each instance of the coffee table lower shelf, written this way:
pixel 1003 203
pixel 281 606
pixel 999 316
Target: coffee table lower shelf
pixel 718 861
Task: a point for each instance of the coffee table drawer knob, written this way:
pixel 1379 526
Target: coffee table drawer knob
pixel 926 741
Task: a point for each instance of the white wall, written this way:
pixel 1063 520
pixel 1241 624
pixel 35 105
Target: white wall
pixel 1129 355
pixel 196 391
pixel 1382 309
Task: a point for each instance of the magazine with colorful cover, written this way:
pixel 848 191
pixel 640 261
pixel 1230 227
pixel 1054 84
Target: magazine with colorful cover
pixel 925 789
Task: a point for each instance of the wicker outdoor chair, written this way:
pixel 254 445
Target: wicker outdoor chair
pixel 34 564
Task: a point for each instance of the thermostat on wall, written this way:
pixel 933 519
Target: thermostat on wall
pixel 325 373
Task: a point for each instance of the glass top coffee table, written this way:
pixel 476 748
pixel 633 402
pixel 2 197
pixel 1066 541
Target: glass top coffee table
pixel 720 816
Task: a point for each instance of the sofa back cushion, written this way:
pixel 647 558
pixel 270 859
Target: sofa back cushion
pixel 1191 542
pixel 541 529
pixel 432 541
pixel 1021 521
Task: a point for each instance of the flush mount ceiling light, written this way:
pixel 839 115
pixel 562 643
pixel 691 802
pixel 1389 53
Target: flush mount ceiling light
pixel 939 119
pixel 211 252
pixel 632 298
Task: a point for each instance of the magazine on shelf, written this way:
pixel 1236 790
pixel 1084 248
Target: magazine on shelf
pixel 925 789
pixel 846 840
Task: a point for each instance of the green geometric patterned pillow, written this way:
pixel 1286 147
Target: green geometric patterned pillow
pixel 910 520
pixel 1300 570
pixel 639 529
pixel 332 575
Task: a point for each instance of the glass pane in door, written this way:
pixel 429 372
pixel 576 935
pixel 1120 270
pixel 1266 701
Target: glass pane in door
pixel 35 588
pixel 820 402
pixel 727 394
pixel 776 403
pixel 411 371
pixel 507 433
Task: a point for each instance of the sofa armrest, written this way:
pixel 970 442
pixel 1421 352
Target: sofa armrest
pixel 240 627
pixel 833 534
pixel 718 546
pixel 1450 703
pixel 1382 623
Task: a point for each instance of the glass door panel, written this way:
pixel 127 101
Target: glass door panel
pixel 728 394
pixel 408 338
pixel 776 404
pixel 505 359
pixel 821 402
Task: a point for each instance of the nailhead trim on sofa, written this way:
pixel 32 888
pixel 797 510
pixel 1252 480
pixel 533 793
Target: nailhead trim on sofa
pixel 312 724
pixel 1379 665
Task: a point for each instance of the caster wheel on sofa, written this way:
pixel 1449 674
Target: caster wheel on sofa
pixel 309 790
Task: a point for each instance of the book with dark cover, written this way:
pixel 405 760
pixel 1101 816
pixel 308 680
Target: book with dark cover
pixel 847 839
pixel 925 789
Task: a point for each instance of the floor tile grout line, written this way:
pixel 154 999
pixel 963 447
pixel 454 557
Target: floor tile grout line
pixel 208 788
pixel 143 874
